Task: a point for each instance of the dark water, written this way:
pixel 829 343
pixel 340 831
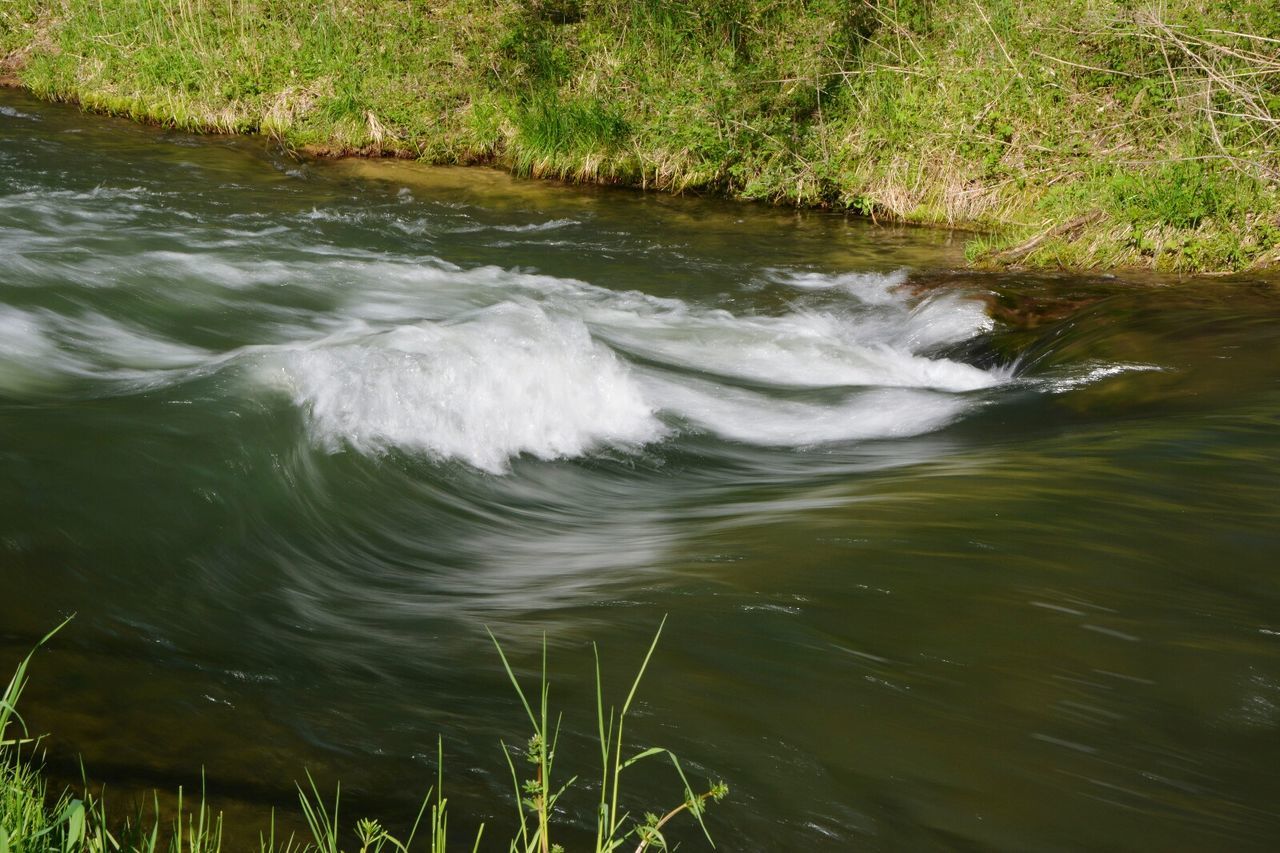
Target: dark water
pixel 949 560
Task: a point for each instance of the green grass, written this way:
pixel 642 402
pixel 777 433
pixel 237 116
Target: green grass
pixel 1160 122
pixel 33 821
pixel 537 796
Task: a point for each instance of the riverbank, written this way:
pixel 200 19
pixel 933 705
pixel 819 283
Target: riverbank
pixel 1075 134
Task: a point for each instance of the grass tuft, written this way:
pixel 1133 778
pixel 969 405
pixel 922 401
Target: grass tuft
pixel 32 821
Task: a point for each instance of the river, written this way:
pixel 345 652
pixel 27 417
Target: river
pixel 949 560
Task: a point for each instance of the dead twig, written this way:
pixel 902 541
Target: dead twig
pixel 1068 230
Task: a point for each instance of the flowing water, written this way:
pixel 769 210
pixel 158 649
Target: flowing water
pixel 948 560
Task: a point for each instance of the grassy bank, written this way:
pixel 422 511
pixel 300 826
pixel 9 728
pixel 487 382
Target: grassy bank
pixel 35 819
pixel 1080 133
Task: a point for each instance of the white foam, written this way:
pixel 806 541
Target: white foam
pixel 34 195
pixel 1093 371
pixel 40 347
pixel 549 225
pixel 531 227
pixel 801 349
pixel 208 268
pixel 112 349
pixel 944 319
pixel 873 288
pixel 501 382
pixel 752 418
pixel 487 364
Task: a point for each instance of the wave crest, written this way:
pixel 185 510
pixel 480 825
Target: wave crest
pixel 501 382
